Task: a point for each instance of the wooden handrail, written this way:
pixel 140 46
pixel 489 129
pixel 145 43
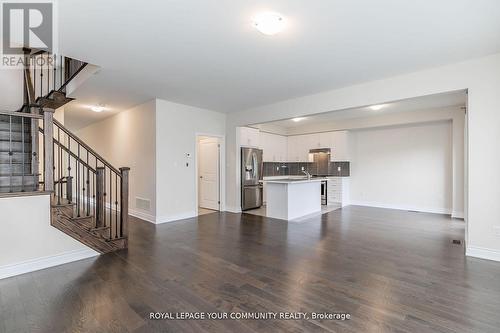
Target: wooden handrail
pixel 72 77
pixel 21 114
pixel 84 145
pixel 71 153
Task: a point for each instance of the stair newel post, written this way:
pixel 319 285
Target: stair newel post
pixel 69 189
pixel 48 144
pixel 100 209
pixel 124 183
pixel 30 99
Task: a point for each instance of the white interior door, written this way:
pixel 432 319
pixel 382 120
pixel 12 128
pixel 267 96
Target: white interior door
pixel 208 173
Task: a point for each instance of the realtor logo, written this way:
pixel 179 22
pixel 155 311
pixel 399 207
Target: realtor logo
pixel 26 25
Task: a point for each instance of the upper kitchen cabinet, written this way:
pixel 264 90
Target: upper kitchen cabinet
pixel 298 147
pixel 319 140
pixel 274 147
pixel 340 146
pixel 249 137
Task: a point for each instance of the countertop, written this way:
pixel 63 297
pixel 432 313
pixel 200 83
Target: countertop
pixel 292 180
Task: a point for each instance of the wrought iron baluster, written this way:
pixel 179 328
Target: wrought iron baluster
pixel 83 187
pixel 104 195
pixel 78 182
pixel 33 58
pixel 22 143
pixel 70 179
pixel 10 153
pixel 48 72
pixel 55 69
pixel 54 164
pixel 110 205
pixel 116 206
pixel 41 77
pixel 88 184
pixel 59 166
pixel 95 193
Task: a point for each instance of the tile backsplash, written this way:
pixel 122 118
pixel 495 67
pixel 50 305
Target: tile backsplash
pixel 294 169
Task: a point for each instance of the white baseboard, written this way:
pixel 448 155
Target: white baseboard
pixel 45 262
pixel 143 216
pixel 176 217
pixel 233 209
pixel 457 215
pixel 402 207
pixel 482 253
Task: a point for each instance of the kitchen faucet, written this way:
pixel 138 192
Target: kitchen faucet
pixel 307 174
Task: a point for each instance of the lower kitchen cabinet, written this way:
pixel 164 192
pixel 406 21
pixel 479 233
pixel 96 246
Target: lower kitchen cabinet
pixel 338 190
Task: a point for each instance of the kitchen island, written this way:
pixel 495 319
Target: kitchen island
pixel 293 198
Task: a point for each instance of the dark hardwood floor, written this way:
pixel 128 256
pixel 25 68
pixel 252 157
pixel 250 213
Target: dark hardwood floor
pixel 392 271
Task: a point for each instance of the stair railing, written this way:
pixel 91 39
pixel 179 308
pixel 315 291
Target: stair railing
pixel 48 73
pixel 16 152
pixel 84 178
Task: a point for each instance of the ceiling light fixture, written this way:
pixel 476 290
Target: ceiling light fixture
pixel 377 107
pixel 269 23
pixel 97 108
pixel 298 119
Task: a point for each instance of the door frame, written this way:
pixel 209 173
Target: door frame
pixel 222 169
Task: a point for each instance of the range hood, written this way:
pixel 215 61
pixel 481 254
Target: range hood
pixel 320 150
pixel 321 159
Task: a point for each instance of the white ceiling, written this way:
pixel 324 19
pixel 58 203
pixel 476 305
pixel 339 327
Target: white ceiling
pixel 451 99
pixel 205 53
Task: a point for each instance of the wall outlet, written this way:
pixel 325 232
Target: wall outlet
pixel 339 169
pixel 302 169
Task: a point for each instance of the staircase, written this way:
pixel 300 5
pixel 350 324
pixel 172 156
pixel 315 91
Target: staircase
pixel 89 196
pixel 16 173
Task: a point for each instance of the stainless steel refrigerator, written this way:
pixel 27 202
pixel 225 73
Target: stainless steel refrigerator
pixel 251 173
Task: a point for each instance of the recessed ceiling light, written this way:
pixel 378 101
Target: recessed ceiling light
pixel 269 23
pixel 97 108
pixel 377 107
pixel 298 119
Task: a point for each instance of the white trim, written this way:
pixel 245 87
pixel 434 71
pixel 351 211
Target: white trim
pixel 482 253
pixel 141 215
pixel 45 262
pixel 176 217
pixel 233 209
pixel 222 168
pixel 457 215
pixel 402 207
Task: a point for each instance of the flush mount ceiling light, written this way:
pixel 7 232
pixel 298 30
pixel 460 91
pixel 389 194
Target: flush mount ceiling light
pixel 269 23
pixel 298 119
pixel 97 108
pixel 377 107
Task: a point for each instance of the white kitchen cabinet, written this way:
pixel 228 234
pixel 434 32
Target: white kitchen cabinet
pixel 249 137
pixel 325 140
pixel 293 148
pixel 338 190
pixel 340 146
pixel 274 147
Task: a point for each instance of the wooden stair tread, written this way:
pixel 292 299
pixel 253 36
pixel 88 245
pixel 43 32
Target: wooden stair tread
pixel 95 241
pixel 81 228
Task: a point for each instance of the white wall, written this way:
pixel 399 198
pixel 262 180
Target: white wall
pixel 403 167
pixel 11 89
pixel 177 127
pixel 482 79
pixel 127 139
pixel 31 243
pixel 454 114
